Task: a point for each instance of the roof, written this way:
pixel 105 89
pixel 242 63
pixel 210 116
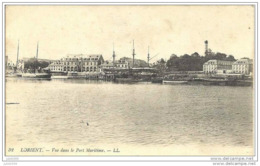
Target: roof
pixel 121 62
pixel 93 57
pixel 244 61
pixel 107 64
pixel 83 55
pixel 218 61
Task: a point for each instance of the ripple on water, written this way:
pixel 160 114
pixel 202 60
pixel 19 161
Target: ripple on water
pixel 142 114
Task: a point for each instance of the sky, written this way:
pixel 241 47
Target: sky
pixel 62 30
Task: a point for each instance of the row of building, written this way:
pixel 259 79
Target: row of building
pixel 95 63
pixel 85 63
pixel 241 66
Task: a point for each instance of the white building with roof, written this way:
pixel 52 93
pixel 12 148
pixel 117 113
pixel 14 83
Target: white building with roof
pixel 217 67
pixel 243 66
pixel 78 63
pixel 119 64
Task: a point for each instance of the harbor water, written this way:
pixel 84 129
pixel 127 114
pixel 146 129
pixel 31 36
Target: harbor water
pixel 72 113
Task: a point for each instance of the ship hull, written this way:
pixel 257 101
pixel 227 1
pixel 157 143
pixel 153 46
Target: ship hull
pixel 37 75
pixel 174 82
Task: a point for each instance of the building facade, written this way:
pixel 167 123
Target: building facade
pixel 78 63
pixel 121 64
pixel 56 66
pixel 243 66
pixel 107 65
pixel 217 66
pixel 118 64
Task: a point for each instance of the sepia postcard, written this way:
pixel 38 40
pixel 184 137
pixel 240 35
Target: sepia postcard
pixel 133 79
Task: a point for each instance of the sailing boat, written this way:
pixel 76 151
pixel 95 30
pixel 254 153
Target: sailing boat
pixel 36 74
pixel 16 72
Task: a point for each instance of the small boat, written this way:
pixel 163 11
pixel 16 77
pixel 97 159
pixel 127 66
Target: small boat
pixel 174 82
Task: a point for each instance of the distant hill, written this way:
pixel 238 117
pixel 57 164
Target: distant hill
pixel 138 62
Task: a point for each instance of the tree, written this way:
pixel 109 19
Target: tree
pixel 230 58
pixel 161 66
pixel 32 63
pixel 173 56
pixel 220 56
pixel 195 54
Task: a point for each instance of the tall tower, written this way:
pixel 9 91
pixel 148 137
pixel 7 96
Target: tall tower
pixel 114 55
pixel 133 53
pixel 148 57
pixel 17 55
pixel 206 47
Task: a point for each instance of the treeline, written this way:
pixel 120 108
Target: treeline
pixel 193 62
pixel 33 64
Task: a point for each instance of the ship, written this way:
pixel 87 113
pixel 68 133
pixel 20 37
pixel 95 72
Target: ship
pixel 37 75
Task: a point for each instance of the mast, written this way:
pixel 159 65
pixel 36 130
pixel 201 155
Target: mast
pixel 36 57
pixel 114 55
pixel 37 50
pixel 148 57
pixel 17 56
pixel 133 53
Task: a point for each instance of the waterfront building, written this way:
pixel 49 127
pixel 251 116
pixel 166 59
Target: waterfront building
pixel 118 64
pixel 121 64
pixel 217 66
pixel 56 66
pixel 243 66
pixel 78 63
pixel 107 65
